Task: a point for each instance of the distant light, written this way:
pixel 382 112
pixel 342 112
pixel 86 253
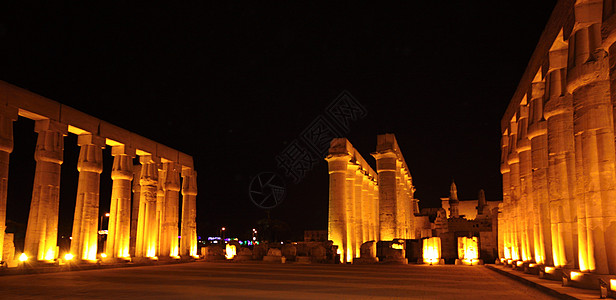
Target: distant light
pixel 70 237
pixel 519 263
pixel 104 255
pixel 532 265
pixel 223 229
pixel 106 214
pixel 230 251
pixel 68 256
pixel 23 257
pixel 613 285
pixel 549 270
pixel 254 238
pixel 281 243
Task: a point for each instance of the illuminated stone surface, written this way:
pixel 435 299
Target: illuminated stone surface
pixel 119 214
pixel 85 224
pixel 189 213
pixel 352 202
pixel 7 116
pixel 42 230
pixel 147 229
pixel 559 157
pixel 170 210
pixel 271 281
pixel 53 121
pixel 135 208
pixel 370 206
pixel 396 191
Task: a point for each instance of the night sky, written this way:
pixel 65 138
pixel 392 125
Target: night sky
pixel 232 84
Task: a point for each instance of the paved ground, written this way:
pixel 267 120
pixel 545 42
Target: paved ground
pixel 555 286
pixel 200 280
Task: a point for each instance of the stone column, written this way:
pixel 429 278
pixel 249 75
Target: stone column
pixel 400 207
pixel 160 203
pixel 7 116
pixel 42 231
pixel 118 238
pixel 135 208
pixel 189 212
pixel 593 125
pixel 525 207
pixel 558 112
pixel 537 133
pixel 359 222
pixel 366 203
pixel 147 230
pixel 336 225
pixel 85 224
pixel 503 218
pixel 514 179
pixel 351 220
pixel 375 216
pixel 386 169
pixel 169 232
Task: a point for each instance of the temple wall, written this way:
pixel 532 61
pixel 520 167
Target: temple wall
pixel 558 153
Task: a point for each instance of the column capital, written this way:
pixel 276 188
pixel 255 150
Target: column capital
pixel 337 163
pixel 172 176
pixel 7 116
pixel 386 161
pixel 189 182
pixel 149 170
pixel 50 141
pixel 122 167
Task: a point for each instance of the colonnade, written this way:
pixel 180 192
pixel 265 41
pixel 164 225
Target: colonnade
pixel 353 200
pixel 365 205
pixel 147 228
pixel 558 153
pixel 397 205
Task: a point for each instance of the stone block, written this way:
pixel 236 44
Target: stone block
pixel 77 121
pixel 289 251
pixel 213 252
pixel 115 135
pixel 143 145
pixel 30 105
pixel 259 251
pixel 8 248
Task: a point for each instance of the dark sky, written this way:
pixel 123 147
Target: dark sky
pixel 233 83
